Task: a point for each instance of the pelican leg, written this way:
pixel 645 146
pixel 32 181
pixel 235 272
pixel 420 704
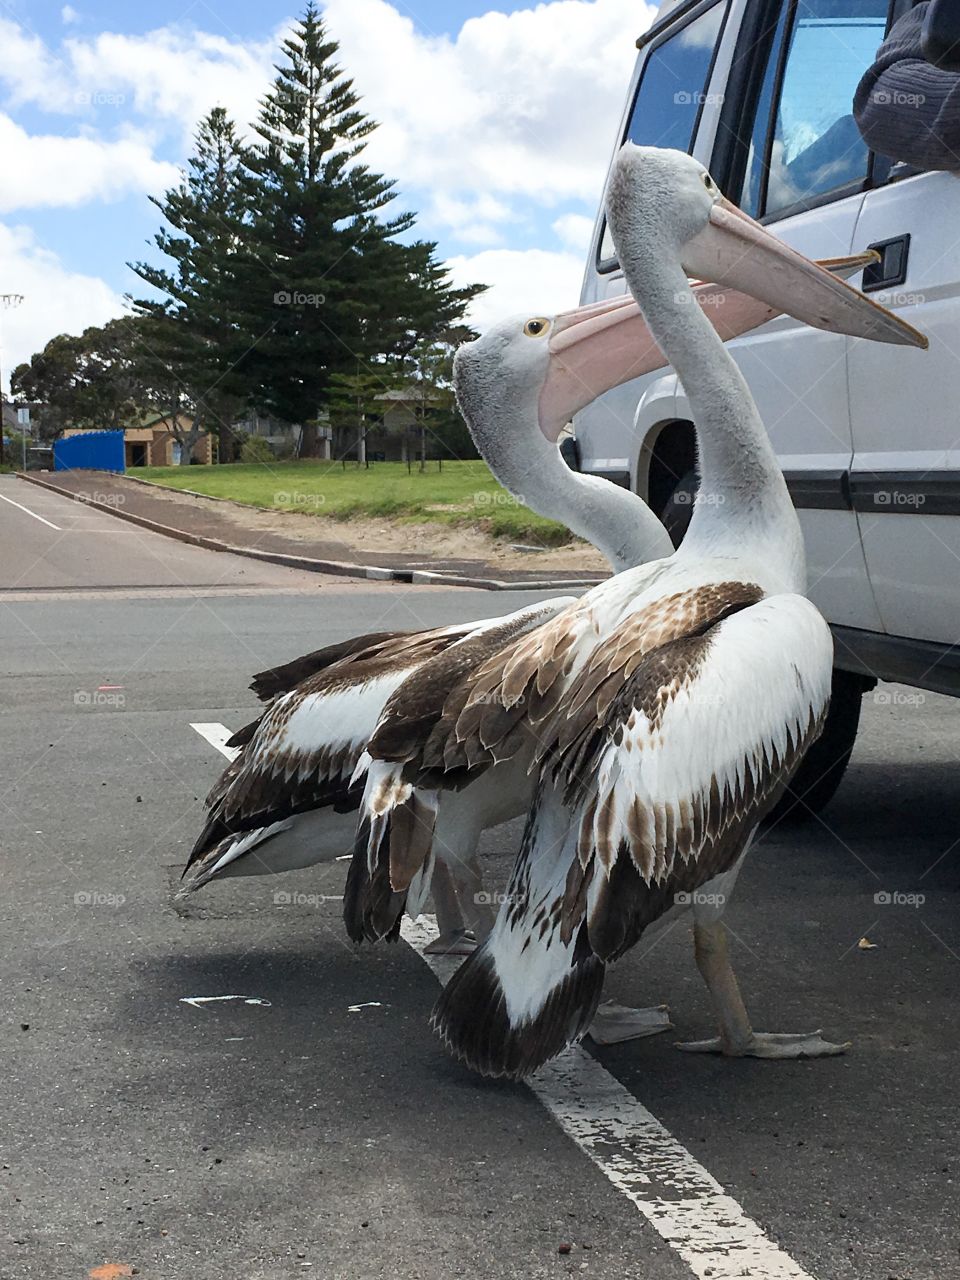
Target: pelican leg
pixel 737 1039
pixel 476 904
pixel 613 1023
pixel 454 939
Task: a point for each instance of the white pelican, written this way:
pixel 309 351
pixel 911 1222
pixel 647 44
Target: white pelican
pixel 664 711
pixel 270 810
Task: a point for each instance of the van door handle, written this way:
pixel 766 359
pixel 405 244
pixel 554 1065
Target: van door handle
pixel 891 269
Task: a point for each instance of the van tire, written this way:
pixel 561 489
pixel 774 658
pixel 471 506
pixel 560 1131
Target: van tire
pixel 821 771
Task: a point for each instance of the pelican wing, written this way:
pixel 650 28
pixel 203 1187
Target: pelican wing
pixel 394 836
pixel 667 769
pixel 659 763
pixel 281 679
pixel 303 751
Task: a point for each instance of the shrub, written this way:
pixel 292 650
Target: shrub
pixel 256 449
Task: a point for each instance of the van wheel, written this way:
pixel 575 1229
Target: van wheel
pixel 822 768
pixel 678 507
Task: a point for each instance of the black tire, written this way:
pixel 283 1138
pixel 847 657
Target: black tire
pixel 678 508
pixel 822 768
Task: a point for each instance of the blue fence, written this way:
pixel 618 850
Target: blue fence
pixel 90 451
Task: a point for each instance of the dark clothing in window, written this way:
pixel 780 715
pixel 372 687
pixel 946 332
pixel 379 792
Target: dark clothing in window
pixel 904 107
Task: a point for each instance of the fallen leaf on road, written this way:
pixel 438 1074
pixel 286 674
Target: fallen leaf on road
pixel 111 1271
pixel 866 945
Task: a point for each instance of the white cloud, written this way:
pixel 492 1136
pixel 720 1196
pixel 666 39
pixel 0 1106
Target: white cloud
pixel 509 123
pixel 175 74
pixel 532 281
pixel 521 104
pixel 56 300
pixel 51 170
pixel 574 230
pixel 172 75
pixel 68 14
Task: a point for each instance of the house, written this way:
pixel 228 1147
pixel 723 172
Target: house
pixel 393 434
pixel 151 443
pixel 19 419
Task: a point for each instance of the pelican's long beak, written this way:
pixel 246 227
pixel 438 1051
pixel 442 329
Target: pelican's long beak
pixel 603 344
pixel 733 249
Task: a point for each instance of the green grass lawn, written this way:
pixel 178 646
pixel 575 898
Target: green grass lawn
pixel 462 493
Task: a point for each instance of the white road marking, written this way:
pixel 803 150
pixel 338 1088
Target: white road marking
pixel 198 1001
pixel 42 519
pixel 682 1201
pixel 217 735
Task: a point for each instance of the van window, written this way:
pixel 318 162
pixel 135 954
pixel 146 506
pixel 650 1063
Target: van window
pixel 751 200
pixel 671 92
pixel 814 146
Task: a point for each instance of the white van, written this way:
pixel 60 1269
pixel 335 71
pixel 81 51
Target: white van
pixel 760 91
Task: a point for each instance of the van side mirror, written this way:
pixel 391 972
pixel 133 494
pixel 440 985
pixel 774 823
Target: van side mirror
pixel 940 36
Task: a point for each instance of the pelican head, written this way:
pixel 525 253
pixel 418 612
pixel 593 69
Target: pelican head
pixel 665 205
pixel 530 374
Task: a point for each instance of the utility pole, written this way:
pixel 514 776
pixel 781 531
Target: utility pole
pixel 7 302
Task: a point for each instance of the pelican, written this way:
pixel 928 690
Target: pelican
pixel 663 713
pixel 270 811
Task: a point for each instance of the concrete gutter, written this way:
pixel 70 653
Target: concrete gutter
pixel 338 568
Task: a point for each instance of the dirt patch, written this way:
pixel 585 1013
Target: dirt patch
pixel 369 536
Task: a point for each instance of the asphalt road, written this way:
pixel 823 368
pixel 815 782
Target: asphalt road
pixel 263 1141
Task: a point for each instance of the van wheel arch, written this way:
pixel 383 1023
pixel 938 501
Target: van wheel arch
pixel 672 479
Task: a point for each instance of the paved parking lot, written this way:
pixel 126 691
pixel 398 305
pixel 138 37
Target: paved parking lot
pixel 315 1127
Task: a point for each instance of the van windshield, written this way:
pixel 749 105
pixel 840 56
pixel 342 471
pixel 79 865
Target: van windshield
pixel 674 84
pixel 673 87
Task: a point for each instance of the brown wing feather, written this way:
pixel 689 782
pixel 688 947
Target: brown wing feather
pixel 285 677
pixel 266 784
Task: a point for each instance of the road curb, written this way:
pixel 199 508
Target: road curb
pixel 337 568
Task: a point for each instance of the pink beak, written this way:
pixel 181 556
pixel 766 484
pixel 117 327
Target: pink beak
pixel 604 344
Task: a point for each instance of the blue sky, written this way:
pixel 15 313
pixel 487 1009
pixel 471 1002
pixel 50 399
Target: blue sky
pixel 98 101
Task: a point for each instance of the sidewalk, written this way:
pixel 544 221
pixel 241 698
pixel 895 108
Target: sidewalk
pixel 219 525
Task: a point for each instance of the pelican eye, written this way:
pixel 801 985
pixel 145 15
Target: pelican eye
pixel 537 327
pixel 709 183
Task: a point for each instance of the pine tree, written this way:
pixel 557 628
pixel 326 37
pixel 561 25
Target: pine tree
pixel 192 342
pixel 330 281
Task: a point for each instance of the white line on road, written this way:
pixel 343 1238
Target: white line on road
pixel 42 519
pixel 682 1201
pixel 217 735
